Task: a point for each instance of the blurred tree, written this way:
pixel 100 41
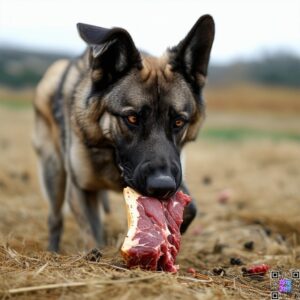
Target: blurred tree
pixel 21 68
pixel 281 69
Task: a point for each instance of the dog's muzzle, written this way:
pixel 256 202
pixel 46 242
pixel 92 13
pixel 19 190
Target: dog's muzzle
pixel 160 186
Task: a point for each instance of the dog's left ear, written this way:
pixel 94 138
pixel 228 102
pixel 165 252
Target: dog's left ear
pixel 191 55
pixel 112 50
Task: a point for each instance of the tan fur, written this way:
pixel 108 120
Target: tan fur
pixel 47 86
pixel 156 68
pixel 42 102
pixel 201 79
pixel 96 75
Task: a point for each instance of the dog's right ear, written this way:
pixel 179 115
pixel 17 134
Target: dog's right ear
pixel 112 50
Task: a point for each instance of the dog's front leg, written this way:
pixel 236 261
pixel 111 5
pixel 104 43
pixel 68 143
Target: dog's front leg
pixel 85 207
pixel 190 210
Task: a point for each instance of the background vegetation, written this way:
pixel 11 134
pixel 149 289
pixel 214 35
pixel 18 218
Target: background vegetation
pixel 23 68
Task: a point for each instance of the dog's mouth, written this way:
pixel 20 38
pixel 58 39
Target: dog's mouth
pixel 160 184
pixel 155 194
pixel 162 189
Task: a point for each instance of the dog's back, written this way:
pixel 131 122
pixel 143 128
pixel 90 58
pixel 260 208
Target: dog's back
pixel 52 94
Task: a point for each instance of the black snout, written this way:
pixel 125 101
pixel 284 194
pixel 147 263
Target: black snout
pixel 160 186
pixel 153 168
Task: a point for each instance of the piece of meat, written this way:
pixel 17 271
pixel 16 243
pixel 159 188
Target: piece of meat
pixel 153 238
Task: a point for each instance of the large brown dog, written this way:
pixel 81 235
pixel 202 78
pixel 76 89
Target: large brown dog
pixel 116 117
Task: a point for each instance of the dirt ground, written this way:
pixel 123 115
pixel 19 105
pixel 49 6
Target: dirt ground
pixel 246 190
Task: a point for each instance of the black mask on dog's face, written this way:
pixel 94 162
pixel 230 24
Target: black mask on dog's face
pixel 150 160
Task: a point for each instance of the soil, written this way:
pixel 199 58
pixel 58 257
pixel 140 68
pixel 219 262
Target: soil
pixel 246 191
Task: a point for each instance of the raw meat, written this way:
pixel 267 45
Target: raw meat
pixel 153 238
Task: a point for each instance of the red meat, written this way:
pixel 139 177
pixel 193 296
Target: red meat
pixel 257 269
pixel 153 238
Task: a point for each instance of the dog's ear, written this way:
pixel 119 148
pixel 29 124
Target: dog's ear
pixel 191 55
pixel 112 50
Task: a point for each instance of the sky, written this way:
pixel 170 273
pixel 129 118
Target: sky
pixel 244 28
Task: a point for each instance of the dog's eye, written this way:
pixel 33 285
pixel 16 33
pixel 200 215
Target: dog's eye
pixel 132 119
pixel 179 123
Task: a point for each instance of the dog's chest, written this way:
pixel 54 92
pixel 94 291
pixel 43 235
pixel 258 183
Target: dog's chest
pixel 94 168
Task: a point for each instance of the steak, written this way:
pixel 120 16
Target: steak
pixel 153 238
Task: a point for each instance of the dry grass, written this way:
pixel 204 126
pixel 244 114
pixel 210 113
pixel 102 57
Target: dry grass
pixel 254 98
pixel 24 95
pixel 262 178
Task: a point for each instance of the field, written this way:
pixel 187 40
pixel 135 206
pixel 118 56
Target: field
pixel 249 153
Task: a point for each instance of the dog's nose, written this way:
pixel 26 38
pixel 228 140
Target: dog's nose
pixel 160 186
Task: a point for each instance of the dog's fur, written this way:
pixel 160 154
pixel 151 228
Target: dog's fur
pixel 116 117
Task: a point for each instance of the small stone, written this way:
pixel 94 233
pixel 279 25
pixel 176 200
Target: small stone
pixel 207 180
pixel 191 271
pixel 94 255
pixel 224 196
pixel 218 248
pixel 236 261
pixel 241 205
pixel 268 231
pixel 24 176
pixel 249 245
pixel 219 271
pixel 257 222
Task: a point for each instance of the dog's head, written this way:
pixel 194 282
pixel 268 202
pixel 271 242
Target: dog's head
pixel 150 107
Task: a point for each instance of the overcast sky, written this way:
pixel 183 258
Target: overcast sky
pixel 244 28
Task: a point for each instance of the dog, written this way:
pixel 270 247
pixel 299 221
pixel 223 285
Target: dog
pixel 117 117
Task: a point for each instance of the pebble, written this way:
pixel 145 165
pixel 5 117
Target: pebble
pixel 236 261
pixel 219 271
pixel 191 270
pixel 224 196
pixel 249 245
pixel 94 255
